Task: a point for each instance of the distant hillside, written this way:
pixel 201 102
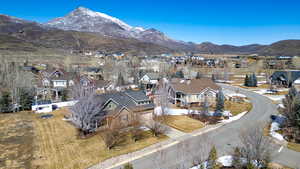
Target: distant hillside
pixel 211 48
pixel 17 34
pixel 284 47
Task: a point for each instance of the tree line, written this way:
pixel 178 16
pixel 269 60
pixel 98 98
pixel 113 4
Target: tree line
pixel 17 91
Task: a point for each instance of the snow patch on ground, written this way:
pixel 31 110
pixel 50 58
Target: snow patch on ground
pixel 225 161
pixel 233 118
pixel 261 82
pixel 275 97
pixel 276 136
pixel 272 97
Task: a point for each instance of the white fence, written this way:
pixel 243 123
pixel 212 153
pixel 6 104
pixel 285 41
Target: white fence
pixel 46 108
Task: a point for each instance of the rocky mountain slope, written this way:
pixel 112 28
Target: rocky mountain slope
pixel 86 20
pixel 17 34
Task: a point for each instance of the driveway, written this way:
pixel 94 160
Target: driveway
pixel 184 151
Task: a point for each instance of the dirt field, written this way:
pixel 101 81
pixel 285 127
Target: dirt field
pixel 16 138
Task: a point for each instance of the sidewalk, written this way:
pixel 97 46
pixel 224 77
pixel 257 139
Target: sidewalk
pixel 173 133
pixel 175 138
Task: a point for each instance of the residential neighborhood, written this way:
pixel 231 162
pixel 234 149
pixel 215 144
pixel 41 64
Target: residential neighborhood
pixel 81 89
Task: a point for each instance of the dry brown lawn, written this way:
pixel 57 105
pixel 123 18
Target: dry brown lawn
pixel 294 146
pixel 236 108
pixel 183 123
pixel 280 93
pixel 277 166
pixel 16 136
pixel 58 146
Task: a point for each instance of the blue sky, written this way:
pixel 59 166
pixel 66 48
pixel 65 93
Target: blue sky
pixel 237 22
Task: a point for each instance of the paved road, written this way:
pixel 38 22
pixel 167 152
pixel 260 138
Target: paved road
pixel 187 149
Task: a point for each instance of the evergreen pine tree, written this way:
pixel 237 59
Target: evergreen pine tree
pixel 213 77
pixel 120 80
pixel 254 80
pixel 236 158
pixel 205 105
pixel 296 108
pixel 198 76
pixel 26 99
pixel 212 159
pixel 250 81
pixel 179 74
pixel 5 102
pixel 220 101
pixel 246 82
pixel 64 95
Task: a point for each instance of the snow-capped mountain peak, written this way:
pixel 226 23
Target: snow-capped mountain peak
pixel 91 13
pixel 85 20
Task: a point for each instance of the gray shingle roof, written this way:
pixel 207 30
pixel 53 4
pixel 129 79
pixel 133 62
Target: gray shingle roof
pixel 126 99
pixel 294 74
pixel 153 76
pixel 137 95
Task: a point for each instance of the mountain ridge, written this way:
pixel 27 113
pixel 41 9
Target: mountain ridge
pixel 85 20
pixel 117 35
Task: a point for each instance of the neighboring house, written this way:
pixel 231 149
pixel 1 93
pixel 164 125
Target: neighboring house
pixel 100 85
pixel 103 85
pixel 284 57
pixel 192 92
pixel 93 72
pixel 149 80
pixel 53 82
pixel 118 55
pixel 285 78
pixel 32 69
pixel 123 107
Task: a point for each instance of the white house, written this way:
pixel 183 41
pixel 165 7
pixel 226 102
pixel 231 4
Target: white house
pixel 150 80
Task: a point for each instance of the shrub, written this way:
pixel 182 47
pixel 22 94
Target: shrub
pixel 128 166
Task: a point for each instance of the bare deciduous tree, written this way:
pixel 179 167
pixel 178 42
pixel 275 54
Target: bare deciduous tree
pixel 156 128
pixel 86 114
pixel 111 137
pixel 296 62
pixel 163 99
pixel 256 147
pixel 14 79
pixel 80 91
pixel 136 133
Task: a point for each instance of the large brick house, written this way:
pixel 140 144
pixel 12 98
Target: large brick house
pixel 192 92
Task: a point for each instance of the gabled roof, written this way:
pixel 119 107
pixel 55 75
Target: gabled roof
pixel 193 86
pixel 137 95
pixel 122 99
pixel 152 76
pixel 101 83
pixel 290 75
pixel 65 76
pixel 92 69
